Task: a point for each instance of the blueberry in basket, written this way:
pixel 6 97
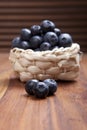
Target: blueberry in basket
pixel 45 46
pixel 36 30
pixel 65 40
pixel 24 45
pixel 16 42
pixel 25 34
pixel 57 31
pixel 35 41
pixel 42 37
pixel 51 37
pixel 47 26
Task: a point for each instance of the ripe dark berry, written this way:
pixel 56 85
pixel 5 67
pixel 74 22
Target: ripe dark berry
pixel 52 84
pixel 16 42
pixel 65 40
pixel 51 37
pixel 55 47
pixel 45 36
pixel 47 25
pixel 57 31
pixel 37 49
pixel 36 30
pixel 35 41
pixel 24 45
pixel 45 46
pixel 41 90
pixel 30 86
pixel 25 34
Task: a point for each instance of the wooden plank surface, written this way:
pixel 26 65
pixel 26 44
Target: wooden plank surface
pixel 66 110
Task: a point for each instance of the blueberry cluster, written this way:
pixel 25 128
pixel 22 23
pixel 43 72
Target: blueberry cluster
pixel 45 36
pixel 41 89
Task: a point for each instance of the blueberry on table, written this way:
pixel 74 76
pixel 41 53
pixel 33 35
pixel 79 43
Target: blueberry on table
pixel 16 42
pixel 57 31
pixel 35 41
pixel 47 25
pixel 51 37
pixel 45 46
pixel 35 30
pixel 65 40
pixel 41 90
pixel 30 86
pixel 52 84
pixel 25 34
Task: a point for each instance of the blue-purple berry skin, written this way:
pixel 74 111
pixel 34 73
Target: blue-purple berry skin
pixel 41 90
pixel 16 42
pixel 25 34
pixel 35 41
pixel 47 25
pixel 30 86
pixel 45 46
pixel 51 37
pixel 52 84
pixel 57 31
pixel 36 30
pixel 65 40
pixel 24 45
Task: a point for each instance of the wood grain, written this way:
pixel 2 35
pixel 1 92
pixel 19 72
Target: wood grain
pixel 66 110
pixel 4 79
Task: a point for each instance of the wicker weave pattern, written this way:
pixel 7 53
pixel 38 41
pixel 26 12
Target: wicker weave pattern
pixel 62 63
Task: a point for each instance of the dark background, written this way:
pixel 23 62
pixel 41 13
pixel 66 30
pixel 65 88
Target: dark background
pixel 70 16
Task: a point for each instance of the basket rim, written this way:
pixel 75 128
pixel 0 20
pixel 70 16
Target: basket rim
pixel 61 49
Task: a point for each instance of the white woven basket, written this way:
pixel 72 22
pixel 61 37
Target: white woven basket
pixel 62 63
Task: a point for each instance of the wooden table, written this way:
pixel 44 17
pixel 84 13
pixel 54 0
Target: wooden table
pixel 66 110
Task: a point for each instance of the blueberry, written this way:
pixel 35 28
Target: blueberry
pixel 24 45
pixel 52 84
pixel 25 34
pixel 35 41
pixel 57 31
pixel 65 40
pixel 36 30
pixel 45 46
pixel 16 42
pixel 51 37
pixel 47 25
pixel 30 86
pixel 37 49
pixel 41 90
pixel 55 47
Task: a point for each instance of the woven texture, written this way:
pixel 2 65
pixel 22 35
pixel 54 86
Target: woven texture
pixel 62 63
